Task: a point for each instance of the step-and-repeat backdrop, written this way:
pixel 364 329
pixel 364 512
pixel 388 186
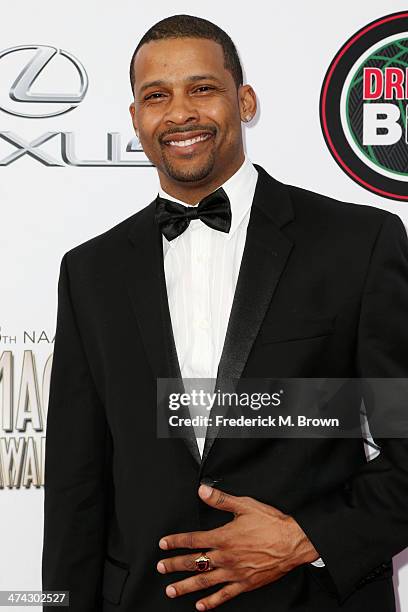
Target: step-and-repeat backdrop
pixel 332 86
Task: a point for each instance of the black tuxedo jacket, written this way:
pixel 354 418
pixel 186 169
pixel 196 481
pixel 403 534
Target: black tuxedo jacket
pixel 322 292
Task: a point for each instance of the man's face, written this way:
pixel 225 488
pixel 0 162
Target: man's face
pixel 187 110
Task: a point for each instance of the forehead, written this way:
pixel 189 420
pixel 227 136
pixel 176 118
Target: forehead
pixel 173 59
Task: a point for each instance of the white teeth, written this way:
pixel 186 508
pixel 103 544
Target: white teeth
pixel 187 143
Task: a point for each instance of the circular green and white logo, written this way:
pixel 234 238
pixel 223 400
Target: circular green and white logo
pixel 364 107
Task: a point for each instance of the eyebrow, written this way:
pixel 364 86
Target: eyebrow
pixel 190 79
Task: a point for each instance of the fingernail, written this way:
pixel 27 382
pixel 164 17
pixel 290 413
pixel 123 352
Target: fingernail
pixel 163 544
pixel 205 491
pixel 171 591
pixel 161 567
pixel 200 606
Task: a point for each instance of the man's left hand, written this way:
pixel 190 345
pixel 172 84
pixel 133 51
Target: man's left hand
pixel 257 547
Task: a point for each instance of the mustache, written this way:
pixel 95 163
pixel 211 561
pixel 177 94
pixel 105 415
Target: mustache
pixel 189 128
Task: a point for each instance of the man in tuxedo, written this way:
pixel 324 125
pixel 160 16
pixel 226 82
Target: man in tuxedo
pixel 227 273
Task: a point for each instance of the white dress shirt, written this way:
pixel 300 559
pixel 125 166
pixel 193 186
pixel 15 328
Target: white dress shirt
pixel 201 269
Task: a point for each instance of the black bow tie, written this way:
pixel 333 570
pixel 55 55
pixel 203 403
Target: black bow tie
pixel 214 210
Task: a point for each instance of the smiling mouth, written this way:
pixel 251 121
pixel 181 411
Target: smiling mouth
pixel 189 142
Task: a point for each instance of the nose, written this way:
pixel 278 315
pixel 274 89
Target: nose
pixel 181 110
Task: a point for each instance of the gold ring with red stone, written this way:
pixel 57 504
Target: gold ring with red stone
pixel 203 563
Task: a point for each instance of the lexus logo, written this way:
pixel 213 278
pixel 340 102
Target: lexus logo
pixel 20 91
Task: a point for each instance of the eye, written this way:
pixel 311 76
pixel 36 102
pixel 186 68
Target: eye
pixel 204 87
pixel 151 96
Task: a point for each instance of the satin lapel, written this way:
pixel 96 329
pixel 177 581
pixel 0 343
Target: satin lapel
pixel 264 259
pixel 146 284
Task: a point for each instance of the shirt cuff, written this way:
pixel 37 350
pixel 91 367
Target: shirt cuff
pixel 319 563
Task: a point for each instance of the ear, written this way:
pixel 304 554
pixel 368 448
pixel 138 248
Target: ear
pixel 132 111
pixel 247 102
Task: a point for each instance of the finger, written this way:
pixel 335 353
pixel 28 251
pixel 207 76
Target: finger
pixel 221 500
pixel 187 562
pixel 204 580
pixel 229 591
pixel 193 539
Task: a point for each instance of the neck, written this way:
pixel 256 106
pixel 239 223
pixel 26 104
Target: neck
pixel 193 192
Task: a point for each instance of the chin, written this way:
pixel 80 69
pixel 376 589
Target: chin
pixel 187 171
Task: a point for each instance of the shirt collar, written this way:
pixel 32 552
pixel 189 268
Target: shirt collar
pixel 240 189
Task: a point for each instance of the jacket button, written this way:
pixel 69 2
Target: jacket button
pixel 211 482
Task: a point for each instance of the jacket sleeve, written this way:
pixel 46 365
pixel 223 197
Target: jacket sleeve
pixel 359 528
pixel 77 468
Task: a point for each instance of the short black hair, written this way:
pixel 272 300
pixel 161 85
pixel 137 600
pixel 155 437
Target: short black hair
pixel 188 26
